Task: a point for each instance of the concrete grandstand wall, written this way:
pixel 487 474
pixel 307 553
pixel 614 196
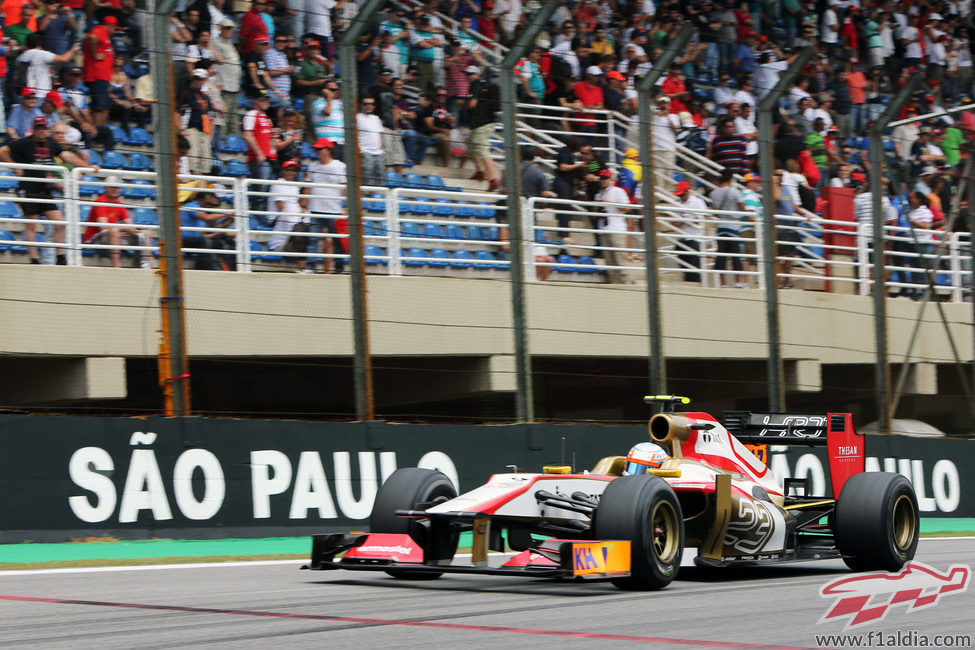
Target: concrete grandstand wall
pixel 63 477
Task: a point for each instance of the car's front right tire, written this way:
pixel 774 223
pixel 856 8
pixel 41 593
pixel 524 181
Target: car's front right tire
pixel 645 511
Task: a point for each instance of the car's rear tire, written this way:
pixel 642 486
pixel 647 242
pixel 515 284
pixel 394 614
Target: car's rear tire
pixel 645 511
pixel 413 488
pixel 876 522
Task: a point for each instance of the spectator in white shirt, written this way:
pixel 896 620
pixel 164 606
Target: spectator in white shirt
pixel 370 143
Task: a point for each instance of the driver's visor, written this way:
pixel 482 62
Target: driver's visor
pixel 637 468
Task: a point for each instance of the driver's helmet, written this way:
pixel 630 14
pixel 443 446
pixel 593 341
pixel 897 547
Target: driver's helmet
pixel 643 458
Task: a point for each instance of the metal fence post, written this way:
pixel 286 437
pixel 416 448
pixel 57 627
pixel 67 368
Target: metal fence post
pixel 524 395
pixel 657 360
pixel 776 382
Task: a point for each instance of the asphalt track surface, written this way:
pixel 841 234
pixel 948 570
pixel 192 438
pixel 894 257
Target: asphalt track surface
pixel 275 605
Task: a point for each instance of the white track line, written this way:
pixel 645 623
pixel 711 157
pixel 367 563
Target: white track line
pixel 211 565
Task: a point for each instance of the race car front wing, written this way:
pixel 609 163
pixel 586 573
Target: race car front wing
pixel 550 558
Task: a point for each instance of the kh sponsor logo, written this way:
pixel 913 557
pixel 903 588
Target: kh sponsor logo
pixel 867 598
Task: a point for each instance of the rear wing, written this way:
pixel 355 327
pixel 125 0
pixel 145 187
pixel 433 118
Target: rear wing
pixel 845 447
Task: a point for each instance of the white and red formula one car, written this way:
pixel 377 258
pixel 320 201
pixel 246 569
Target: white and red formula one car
pixel 712 493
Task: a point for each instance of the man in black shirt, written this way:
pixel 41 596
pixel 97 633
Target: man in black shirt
pixel 39 149
pixel 482 106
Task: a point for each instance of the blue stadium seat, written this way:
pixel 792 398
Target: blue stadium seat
pixel 118 133
pixel 139 137
pixel 589 261
pixel 435 182
pixel 476 233
pixel 374 228
pixel 442 208
pixel 393 179
pixel 139 188
pixel 410 229
pixel 376 204
pixel 564 259
pixel 232 144
pixel 139 162
pixel 455 231
pixel 237 169
pixel 257 248
pixel 484 210
pixel 493 233
pixel 484 256
pixel 113 160
pixel 86 189
pixel 442 256
pixel 420 206
pixel 415 181
pixel 144 216
pixel 433 231
pixel 465 210
pixel 307 152
pixel 10 210
pixel 414 252
pixel 93 157
pixel 8 180
pixel 462 260
pixel 217 168
pixel 14 248
pixel 371 251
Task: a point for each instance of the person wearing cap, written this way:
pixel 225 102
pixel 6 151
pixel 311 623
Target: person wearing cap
pixel 75 97
pixel 257 81
pixel 257 128
pixel 751 202
pixel 910 38
pixel 204 212
pixel 531 89
pixel 937 56
pixel 691 227
pixel 399 36
pixel 39 148
pixel 253 29
pixel 115 213
pixel 99 62
pixel 674 89
pixel 590 95
pixel 665 125
pixel 39 62
pixel 325 198
pixel 617 96
pixel 924 151
pixel 227 72
pixel 426 47
pixel 312 77
pixel 22 115
pixel 194 108
pixel 290 216
pixel 482 105
pixel 457 60
pixel 615 222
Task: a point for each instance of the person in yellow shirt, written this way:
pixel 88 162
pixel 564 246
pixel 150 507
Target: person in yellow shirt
pixel 601 43
pixel 631 162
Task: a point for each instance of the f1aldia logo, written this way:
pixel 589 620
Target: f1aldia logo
pixel 867 598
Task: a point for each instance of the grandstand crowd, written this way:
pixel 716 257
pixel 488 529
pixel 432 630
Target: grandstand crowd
pixel 267 76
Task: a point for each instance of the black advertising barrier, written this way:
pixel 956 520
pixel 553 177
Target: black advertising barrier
pixel 64 477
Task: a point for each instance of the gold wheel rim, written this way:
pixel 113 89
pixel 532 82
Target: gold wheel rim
pixel 666 532
pixel 903 522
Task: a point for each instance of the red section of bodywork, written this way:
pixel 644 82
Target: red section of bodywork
pixel 387 546
pixel 847 455
pixel 737 463
pixel 530 558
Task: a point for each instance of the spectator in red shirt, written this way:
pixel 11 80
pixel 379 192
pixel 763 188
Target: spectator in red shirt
pixel 674 88
pixel 99 64
pixel 590 95
pixel 253 27
pixel 115 214
pixel 257 128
